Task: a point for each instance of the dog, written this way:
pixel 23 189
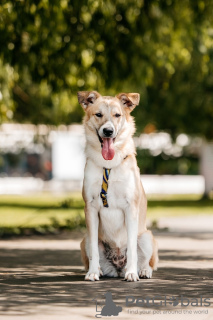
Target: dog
pixel 110 308
pixel 117 242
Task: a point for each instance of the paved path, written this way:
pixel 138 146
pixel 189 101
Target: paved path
pixel 198 223
pixel 42 278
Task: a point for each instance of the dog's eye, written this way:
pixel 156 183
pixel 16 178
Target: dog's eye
pixel 99 115
pixel 117 115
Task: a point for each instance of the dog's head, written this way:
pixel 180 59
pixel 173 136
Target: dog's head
pixel 106 115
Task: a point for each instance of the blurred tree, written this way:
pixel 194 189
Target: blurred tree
pixel 50 49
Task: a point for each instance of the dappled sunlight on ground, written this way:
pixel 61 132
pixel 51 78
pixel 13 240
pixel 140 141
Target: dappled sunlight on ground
pixel 43 276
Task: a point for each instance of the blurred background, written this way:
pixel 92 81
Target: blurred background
pixel 49 50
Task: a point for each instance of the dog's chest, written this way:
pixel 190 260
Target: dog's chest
pixel 112 218
pixel 119 191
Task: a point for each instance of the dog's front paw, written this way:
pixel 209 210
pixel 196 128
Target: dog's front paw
pixel 146 273
pixel 93 275
pixel 130 276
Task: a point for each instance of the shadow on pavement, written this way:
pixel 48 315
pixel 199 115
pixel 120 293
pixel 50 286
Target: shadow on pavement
pixel 37 277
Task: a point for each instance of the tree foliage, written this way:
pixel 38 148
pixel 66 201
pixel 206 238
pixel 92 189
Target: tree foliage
pixel 50 49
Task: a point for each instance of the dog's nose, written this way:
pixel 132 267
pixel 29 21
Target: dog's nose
pixel 108 132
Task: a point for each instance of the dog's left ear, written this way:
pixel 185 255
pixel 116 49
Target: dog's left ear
pixel 87 98
pixel 129 100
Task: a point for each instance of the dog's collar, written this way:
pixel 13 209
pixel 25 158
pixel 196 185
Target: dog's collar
pixel 104 188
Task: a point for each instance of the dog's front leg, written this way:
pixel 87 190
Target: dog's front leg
pixel 92 221
pixel 132 231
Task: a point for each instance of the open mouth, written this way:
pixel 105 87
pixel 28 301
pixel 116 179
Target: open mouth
pixel 107 145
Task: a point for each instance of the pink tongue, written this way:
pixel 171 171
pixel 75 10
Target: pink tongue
pixel 108 151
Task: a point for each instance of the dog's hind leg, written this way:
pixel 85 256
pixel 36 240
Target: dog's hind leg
pixel 154 259
pixel 147 255
pixel 107 268
pixel 84 256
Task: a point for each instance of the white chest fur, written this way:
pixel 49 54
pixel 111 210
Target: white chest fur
pixel 121 188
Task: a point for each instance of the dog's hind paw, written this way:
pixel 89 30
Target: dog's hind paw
pixel 131 276
pixel 145 273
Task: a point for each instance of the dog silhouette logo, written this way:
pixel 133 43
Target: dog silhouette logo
pixel 174 301
pixel 109 309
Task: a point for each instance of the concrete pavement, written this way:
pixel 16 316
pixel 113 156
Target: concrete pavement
pixel 42 278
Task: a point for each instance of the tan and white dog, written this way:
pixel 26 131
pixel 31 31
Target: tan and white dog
pixel 117 242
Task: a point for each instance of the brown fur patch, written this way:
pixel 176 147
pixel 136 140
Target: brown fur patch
pixel 154 259
pixel 129 100
pixel 87 97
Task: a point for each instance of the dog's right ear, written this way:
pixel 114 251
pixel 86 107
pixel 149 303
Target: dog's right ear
pixel 87 98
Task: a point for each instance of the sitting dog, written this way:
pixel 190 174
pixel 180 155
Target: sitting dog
pixel 117 242
pixel 110 308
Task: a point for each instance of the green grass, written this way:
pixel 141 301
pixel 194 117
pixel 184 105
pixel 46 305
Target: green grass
pixel 49 213
pixel 40 213
pixel 174 206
